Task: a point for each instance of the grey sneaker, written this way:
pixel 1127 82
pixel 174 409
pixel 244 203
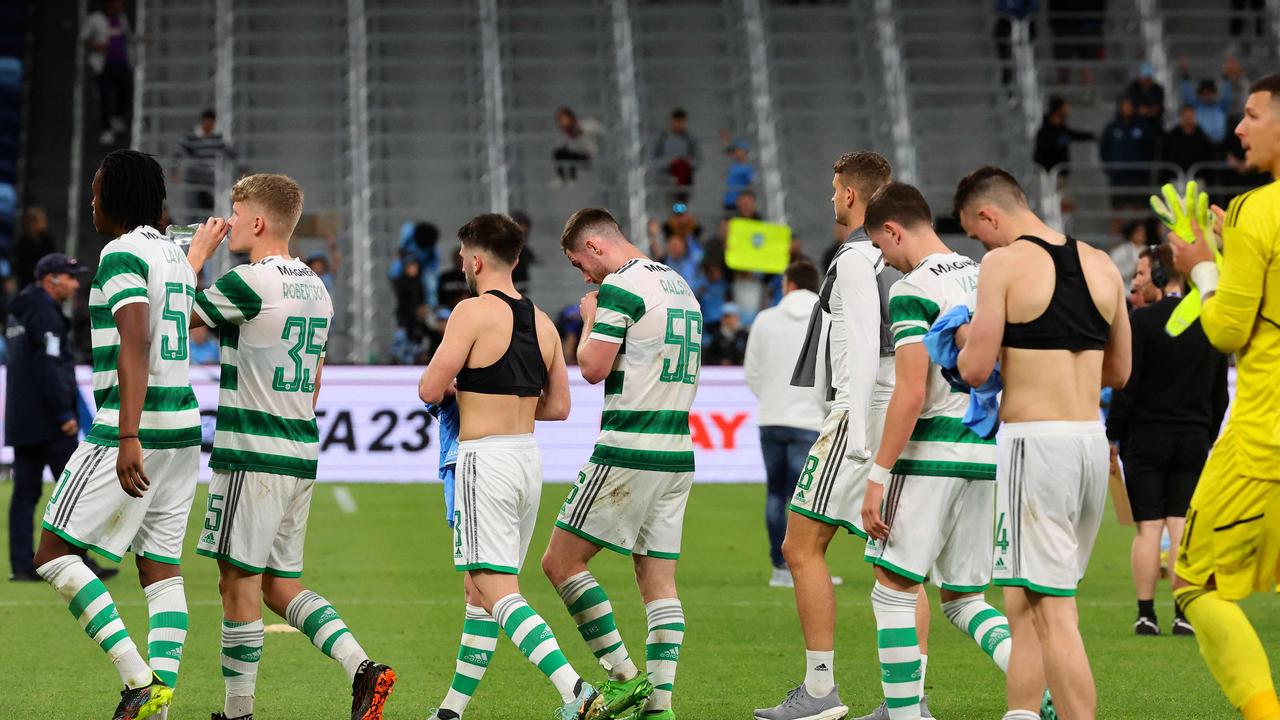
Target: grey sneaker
pixel 781 578
pixel 800 705
pixel 882 712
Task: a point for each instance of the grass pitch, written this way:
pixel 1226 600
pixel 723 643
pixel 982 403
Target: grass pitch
pixel 387 568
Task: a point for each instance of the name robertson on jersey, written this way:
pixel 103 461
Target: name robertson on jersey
pixel 303 291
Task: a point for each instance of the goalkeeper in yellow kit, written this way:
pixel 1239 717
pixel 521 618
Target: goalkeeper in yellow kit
pixel 1231 544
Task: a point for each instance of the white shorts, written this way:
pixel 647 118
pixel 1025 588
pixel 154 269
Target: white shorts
pixel 628 510
pixel 939 527
pixel 831 486
pixel 496 494
pixel 1051 489
pixel 90 510
pixel 257 521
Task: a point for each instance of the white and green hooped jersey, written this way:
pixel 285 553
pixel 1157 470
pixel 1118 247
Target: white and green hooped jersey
pixel 940 444
pixel 273 319
pixel 143 266
pixel 649 309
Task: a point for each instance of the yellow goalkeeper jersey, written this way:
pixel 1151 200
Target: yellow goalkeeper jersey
pixel 1243 317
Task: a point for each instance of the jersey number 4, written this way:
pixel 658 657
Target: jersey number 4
pixel 684 333
pixel 303 377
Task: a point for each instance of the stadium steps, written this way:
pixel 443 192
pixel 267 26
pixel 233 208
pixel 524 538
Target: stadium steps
pixel 558 53
pixel 1091 104
pixel 693 56
pixel 178 83
pixel 961 116
pixel 426 126
pixel 828 99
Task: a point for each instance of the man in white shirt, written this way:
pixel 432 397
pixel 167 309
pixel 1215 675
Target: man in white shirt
pixel 789 417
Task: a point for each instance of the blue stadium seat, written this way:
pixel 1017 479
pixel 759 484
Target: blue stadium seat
pixel 10 72
pixel 8 200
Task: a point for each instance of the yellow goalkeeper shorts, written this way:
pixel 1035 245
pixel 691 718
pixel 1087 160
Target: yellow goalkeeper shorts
pixel 1232 535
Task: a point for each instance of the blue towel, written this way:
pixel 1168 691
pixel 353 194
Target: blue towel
pixel 983 415
pixel 446 414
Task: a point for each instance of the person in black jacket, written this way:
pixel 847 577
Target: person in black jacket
pixel 40 401
pixel 1164 422
pixel 1054 138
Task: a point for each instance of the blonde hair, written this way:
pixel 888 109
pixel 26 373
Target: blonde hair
pixel 278 195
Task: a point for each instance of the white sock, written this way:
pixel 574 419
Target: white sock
pixel 241 652
pixel 662 649
pixel 316 618
pixel 529 632
pixel 1021 715
pixel 167 634
pixel 899 650
pixel 924 665
pixel 987 626
pixel 819 672
pixel 91 605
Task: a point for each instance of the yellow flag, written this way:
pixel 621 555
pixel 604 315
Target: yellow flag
pixel 757 246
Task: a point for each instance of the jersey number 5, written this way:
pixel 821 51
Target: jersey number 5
pixel 684 331
pixel 303 377
pixel 178 315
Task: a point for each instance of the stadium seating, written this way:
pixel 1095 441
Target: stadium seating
pixel 290 99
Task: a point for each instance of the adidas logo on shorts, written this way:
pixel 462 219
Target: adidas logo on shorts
pixel 208 538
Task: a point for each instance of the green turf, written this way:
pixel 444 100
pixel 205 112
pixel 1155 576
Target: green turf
pixel 388 570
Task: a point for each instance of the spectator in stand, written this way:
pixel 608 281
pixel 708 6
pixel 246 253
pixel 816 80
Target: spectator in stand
pixel 747 290
pixel 789 417
pixel 106 35
pixel 675 152
pixel 204 346
pixel 683 257
pixel 682 222
pixel 198 156
pixel 34 242
pixel 319 264
pixel 1127 143
pixel 1185 144
pixel 1009 12
pixel 838 235
pixel 1211 100
pixel 576 146
pixel 418 240
pixel 520 273
pixel 741 174
pixel 412 312
pixel 452 287
pixel 1125 255
pixel 1054 138
pixel 713 293
pixel 1147 96
pixel 728 345
pixel 569 325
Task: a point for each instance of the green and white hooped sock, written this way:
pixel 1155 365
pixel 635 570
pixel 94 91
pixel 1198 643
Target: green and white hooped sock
pixel 91 605
pixel 167 607
pixel 899 650
pixel 662 649
pixel 593 614
pixel 974 617
pixel 479 641
pixel 317 619
pixel 531 634
pixel 241 652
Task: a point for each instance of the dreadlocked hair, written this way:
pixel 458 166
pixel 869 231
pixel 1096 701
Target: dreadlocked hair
pixel 133 191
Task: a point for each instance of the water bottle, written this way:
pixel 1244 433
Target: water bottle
pixel 181 235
